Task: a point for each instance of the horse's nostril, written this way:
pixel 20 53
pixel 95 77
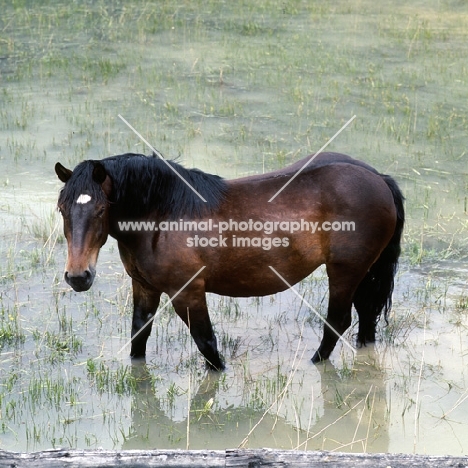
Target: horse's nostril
pixel 86 275
pixel 81 281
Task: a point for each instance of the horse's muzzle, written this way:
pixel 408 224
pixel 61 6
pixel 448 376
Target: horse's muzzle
pixel 82 281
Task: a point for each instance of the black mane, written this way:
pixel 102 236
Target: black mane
pixel 141 184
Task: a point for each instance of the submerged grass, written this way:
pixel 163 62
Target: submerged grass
pixel 234 88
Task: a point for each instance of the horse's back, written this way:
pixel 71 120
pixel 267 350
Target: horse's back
pixel 308 164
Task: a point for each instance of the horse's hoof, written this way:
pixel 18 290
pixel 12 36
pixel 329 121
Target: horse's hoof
pixel 215 367
pixel 317 357
pixel 139 358
pixel 134 354
pixel 364 339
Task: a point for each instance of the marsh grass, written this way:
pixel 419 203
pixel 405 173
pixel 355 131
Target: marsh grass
pixel 233 88
pixel 10 329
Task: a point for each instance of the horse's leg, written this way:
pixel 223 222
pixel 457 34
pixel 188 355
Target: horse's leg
pixel 343 280
pixel 368 318
pixel 145 303
pixel 191 307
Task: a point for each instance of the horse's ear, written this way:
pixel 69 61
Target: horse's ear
pixel 63 173
pixel 99 173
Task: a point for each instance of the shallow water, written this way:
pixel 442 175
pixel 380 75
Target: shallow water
pixel 405 394
pixel 233 93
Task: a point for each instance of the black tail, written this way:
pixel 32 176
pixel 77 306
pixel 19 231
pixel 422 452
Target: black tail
pixel 374 293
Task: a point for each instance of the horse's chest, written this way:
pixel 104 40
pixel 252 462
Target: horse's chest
pixel 134 266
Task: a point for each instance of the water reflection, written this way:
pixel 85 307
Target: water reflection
pixel 349 412
pixel 204 428
pixel 355 410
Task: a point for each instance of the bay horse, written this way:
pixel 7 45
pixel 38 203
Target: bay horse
pixel 104 197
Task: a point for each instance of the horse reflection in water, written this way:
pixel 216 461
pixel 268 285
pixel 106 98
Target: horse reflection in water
pixel 349 413
pixel 99 195
pixel 152 427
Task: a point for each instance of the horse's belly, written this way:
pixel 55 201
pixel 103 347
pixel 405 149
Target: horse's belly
pixel 263 280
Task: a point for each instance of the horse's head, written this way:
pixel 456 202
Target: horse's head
pixel 83 203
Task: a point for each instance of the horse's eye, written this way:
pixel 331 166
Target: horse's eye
pixel 100 212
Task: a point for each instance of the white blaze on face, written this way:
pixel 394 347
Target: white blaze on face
pixel 83 199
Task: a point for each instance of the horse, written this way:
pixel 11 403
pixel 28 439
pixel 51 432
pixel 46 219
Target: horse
pixel 185 232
